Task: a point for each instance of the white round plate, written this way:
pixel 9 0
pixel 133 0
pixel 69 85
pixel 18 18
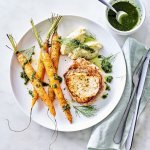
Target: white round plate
pixel 106 106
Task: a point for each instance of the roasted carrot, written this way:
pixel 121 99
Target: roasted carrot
pixel 51 72
pixel 54 54
pixel 35 96
pixel 40 69
pixel 40 73
pixel 33 77
pixel 55 50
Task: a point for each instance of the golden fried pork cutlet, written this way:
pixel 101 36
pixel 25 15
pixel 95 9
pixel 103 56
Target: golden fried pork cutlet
pixel 84 81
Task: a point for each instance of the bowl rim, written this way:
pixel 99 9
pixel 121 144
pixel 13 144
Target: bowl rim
pixel 134 28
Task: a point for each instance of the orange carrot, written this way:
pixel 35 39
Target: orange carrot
pixel 55 50
pixel 40 73
pixel 51 72
pixel 33 77
pixel 54 54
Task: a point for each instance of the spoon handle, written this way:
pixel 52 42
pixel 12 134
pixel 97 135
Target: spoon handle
pixel 108 5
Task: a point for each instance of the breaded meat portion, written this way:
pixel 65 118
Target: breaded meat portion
pixel 84 81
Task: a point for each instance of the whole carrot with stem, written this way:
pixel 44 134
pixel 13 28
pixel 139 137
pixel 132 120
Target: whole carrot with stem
pixel 51 71
pixel 54 55
pixel 40 71
pixel 41 68
pixel 33 77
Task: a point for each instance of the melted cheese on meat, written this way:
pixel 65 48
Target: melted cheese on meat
pixel 82 85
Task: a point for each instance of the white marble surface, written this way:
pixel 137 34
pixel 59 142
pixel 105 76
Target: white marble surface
pixel 14 16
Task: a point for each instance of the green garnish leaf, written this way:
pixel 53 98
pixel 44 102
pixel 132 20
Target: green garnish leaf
pixel 73 44
pixel 109 79
pixel 104 63
pixel 28 53
pixel 54 86
pixel 108 87
pixel 99 56
pixel 56 77
pixel 45 84
pixel 66 107
pixel 33 74
pixel 106 66
pixel 31 93
pixel 87 111
pixel 86 47
pixel 25 77
pixel 38 85
pixel 105 96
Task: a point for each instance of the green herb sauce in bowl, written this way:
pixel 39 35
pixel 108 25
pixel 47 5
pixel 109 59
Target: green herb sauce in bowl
pixel 129 23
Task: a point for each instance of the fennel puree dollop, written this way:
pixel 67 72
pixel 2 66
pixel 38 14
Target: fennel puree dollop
pixel 80 43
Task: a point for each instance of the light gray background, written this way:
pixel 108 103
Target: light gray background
pixel 14 18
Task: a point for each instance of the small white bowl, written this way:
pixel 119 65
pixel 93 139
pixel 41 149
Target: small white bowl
pixel 139 24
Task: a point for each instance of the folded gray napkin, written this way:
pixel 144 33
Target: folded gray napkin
pixel 103 133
